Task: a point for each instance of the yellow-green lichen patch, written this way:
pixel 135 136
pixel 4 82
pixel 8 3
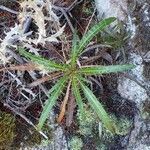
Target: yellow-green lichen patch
pixel 7 127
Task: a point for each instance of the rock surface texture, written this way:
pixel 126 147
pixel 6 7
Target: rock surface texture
pixel 112 8
pixel 58 142
pixel 135 85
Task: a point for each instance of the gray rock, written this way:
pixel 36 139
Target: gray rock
pixel 129 89
pixel 140 136
pixel 112 8
pixel 60 142
pixel 134 90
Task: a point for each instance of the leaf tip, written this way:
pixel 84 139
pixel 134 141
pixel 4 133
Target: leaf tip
pixel 130 66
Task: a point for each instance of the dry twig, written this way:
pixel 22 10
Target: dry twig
pixel 8 10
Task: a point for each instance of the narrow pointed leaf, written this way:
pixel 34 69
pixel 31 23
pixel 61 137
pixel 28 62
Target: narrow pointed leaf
pixel 47 64
pixel 74 47
pixel 99 109
pixel 76 92
pixel 55 93
pixel 97 70
pixel 84 80
pixel 92 33
pixel 75 42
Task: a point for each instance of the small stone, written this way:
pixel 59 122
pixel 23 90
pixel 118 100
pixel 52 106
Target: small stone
pixel 130 90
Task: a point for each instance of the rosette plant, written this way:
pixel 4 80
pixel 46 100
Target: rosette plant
pixel 74 77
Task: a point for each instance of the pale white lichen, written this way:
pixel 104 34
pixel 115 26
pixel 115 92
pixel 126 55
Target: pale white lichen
pixel 34 9
pixel 76 143
pixel 7 41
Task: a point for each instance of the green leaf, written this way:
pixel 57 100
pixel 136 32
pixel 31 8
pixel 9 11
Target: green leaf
pixel 74 47
pixel 76 92
pixel 83 79
pixel 54 94
pixel 97 70
pixel 75 42
pixel 98 108
pixel 92 33
pixel 47 64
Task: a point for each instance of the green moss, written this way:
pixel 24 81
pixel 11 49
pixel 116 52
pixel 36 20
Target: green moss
pixel 7 127
pixel 76 143
pixel 101 147
pixel 104 139
pixel 87 122
pixel 124 125
pixel 89 126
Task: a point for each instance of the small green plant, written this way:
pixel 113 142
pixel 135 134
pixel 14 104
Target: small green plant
pixel 75 75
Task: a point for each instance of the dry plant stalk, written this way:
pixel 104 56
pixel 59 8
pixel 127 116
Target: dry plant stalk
pixel 25 67
pixel 64 103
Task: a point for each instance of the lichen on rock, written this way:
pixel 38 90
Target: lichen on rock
pixel 76 143
pixel 87 122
